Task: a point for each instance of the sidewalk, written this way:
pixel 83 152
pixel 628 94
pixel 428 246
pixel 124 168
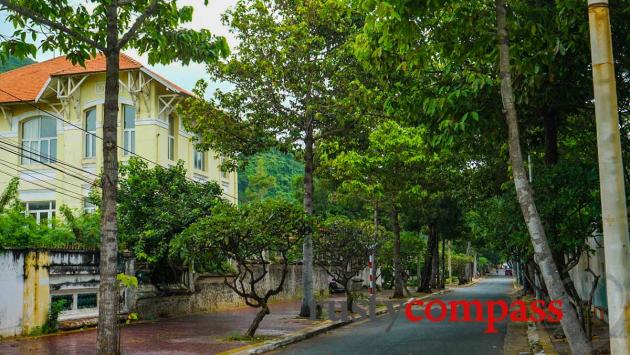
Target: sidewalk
pixel 190 334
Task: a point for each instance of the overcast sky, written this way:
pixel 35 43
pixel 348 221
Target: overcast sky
pixel 207 17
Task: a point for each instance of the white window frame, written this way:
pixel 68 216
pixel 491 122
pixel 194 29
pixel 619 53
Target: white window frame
pixel 171 138
pixel 50 211
pixel 31 147
pixel 224 174
pixel 225 186
pixel 75 311
pixel 88 207
pixel 129 133
pixel 199 160
pixel 90 136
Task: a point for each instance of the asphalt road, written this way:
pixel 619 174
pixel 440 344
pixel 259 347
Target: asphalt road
pixel 423 337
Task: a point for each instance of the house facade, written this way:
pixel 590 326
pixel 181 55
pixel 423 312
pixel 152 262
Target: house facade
pixel 51 119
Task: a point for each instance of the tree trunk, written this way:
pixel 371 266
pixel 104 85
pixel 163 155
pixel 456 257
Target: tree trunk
pixel 398 277
pixel 251 331
pixel 107 336
pixel 435 262
pixel 373 266
pixel 570 324
pixel 443 276
pixel 427 268
pixel 349 295
pixel 450 267
pixel 307 247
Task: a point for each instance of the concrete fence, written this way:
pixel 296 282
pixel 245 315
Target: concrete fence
pixel 31 279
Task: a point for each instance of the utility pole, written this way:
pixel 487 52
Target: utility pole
pixel 614 215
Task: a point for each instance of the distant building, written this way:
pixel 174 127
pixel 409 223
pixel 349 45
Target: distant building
pixel 44 152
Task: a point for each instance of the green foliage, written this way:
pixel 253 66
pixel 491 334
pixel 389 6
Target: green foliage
pixel 458 264
pixel 342 246
pixel 268 174
pixel 394 155
pixel 156 204
pixel 243 233
pixel 252 236
pixel 52 321
pixel 126 281
pixel 270 104
pixel 84 226
pixel 413 247
pixel 19 230
pixel 79 30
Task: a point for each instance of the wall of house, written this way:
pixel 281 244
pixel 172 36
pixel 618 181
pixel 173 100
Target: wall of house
pixel 151 142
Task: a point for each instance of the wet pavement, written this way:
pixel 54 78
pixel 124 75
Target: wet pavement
pixel 423 337
pixel 192 334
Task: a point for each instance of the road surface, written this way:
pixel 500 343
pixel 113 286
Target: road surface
pixel 423 337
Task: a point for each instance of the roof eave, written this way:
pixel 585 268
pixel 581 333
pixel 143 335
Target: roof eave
pixel 43 89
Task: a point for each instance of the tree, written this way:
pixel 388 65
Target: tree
pixel 255 236
pixel 150 26
pixel 289 77
pixel 390 166
pixel 575 334
pixel 260 182
pixel 283 168
pixel 154 206
pixel 342 248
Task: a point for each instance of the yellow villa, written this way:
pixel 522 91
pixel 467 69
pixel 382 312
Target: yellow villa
pixel 57 161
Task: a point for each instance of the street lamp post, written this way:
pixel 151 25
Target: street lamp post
pixel 614 215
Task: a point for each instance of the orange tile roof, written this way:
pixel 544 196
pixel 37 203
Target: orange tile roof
pixel 25 83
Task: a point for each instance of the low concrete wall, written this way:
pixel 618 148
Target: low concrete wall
pixel 211 294
pixel 12 286
pixel 35 277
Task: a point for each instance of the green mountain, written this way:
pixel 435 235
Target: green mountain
pixel 268 174
pixel 13 63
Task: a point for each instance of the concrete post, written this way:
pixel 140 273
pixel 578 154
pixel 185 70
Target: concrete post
pixel 614 215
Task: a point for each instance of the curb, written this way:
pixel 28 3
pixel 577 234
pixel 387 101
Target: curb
pixel 313 331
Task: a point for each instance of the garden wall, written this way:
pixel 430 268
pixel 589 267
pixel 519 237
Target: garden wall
pixel 211 294
pixel 31 279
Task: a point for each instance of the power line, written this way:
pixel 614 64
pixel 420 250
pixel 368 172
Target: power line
pixel 48 165
pixel 44 181
pixel 44 187
pixel 99 137
pixel 55 160
pixel 18 167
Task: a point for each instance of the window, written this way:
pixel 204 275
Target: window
pixel 39 140
pixel 41 211
pixel 200 160
pixel 224 174
pixel 225 186
pixel 68 301
pixel 199 157
pixel 90 135
pixel 129 129
pixel 76 300
pixel 171 137
pixel 86 300
pixel 88 207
